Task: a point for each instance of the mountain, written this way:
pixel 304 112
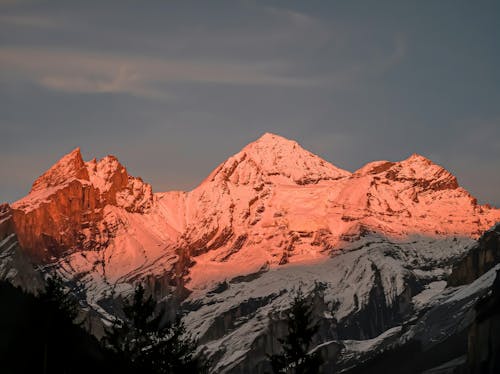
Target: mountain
pixel 371 248
pixel 453 331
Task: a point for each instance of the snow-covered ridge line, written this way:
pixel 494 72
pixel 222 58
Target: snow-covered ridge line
pixel 273 201
pixel 268 218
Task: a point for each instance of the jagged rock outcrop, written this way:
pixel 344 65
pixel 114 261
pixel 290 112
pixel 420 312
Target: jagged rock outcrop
pixel 273 194
pixel 231 250
pixel 481 258
pixel 440 338
pixel 453 331
pixel 6 223
pixel 116 187
pixel 379 314
pixel 234 200
pixel 15 266
pixel 484 334
pixel 65 208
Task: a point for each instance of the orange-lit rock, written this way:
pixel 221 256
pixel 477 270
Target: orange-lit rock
pixel 64 209
pixel 380 242
pixel 273 202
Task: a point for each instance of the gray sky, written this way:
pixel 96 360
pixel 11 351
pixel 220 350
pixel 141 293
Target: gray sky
pixel 174 88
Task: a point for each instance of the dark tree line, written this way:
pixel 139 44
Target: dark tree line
pixel 296 356
pixel 39 334
pixel 149 346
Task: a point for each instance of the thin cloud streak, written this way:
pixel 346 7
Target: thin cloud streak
pixel 173 88
pixel 147 75
pixel 76 71
pixel 93 72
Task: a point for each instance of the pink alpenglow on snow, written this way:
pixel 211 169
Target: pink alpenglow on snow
pixel 271 204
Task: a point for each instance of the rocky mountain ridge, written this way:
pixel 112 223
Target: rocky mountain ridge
pixel 373 245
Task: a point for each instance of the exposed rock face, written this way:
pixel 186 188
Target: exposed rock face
pixel 67 168
pixel 6 223
pixel 15 267
pixel 64 210
pixel 483 337
pixel 118 188
pixel 480 259
pixel 247 211
pixel 267 342
pixel 230 251
pixel 235 198
pixel 442 338
pixel 68 219
pixel 379 314
pixel 453 331
pixel 273 195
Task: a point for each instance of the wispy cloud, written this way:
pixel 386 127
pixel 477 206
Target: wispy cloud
pixel 279 51
pixel 97 72
pixel 77 71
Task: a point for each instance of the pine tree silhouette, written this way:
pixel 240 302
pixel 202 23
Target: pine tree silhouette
pixel 59 300
pixel 39 334
pixel 149 345
pixel 59 310
pixel 295 357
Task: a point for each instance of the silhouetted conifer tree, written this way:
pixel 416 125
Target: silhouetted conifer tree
pixel 150 345
pixel 38 334
pixel 59 310
pixel 295 357
pixel 58 300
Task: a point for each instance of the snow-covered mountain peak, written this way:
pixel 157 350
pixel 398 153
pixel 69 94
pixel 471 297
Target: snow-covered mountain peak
pixel 268 218
pixel 271 143
pixel 418 162
pixel 107 179
pixel 277 160
pixel 417 157
pixel 70 166
pixel 416 171
pixel 75 205
pixel 425 172
pixel 107 173
pixel 117 187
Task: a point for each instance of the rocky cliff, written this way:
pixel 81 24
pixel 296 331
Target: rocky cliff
pixel 381 241
pixel 15 266
pixel 453 330
pixel 481 258
pixel 483 336
pixel 64 210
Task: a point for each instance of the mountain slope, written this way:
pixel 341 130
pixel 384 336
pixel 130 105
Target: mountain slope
pixel 270 217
